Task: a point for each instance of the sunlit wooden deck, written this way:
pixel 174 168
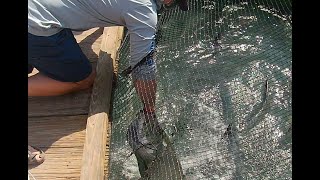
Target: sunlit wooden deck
pixel 63 126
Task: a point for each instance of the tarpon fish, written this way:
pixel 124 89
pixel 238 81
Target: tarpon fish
pixel 154 151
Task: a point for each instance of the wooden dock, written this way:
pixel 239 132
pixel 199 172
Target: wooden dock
pixel 73 129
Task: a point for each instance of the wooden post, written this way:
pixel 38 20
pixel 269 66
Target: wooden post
pixel 98 117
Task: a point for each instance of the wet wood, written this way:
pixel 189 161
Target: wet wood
pixel 71 104
pixel 94 154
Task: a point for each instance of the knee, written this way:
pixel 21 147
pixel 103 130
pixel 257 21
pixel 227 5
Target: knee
pixel 87 82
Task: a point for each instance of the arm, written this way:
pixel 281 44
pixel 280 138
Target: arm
pixel 146 90
pixel 142 29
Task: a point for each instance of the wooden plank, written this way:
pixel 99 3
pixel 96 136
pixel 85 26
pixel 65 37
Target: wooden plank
pixel 107 153
pixel 60 164
pixel 62 139
pixel 57 131
pixel 93 160
pixel 76 103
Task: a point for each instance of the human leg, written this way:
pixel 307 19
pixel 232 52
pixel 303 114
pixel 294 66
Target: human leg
pixel 42 85
pixel 63 68
pixel 146 90
pixel 144 79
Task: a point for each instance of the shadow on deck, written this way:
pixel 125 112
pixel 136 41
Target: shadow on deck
pixel 57 125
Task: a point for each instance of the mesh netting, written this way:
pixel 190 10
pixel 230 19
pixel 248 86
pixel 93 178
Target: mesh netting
pixel 224 86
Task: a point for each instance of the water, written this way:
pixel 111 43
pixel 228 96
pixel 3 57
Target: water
pixel 224 92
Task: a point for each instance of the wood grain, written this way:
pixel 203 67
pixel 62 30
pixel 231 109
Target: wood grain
pixel 62 139
pixel 94 153
pixel 55 126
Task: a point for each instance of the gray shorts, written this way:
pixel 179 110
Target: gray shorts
pixel 146 71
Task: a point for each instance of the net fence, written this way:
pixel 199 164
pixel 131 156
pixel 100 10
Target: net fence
pixel 223 99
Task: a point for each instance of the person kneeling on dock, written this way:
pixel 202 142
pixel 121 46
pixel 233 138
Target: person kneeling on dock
pixel 63 67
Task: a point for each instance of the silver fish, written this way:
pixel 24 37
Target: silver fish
pixel 153 149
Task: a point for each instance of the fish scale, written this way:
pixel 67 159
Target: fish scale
pixel 151 146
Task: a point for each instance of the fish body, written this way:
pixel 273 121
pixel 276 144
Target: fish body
pixel 152 148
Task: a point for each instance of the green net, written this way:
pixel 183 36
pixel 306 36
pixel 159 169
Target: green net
pixel 224 75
